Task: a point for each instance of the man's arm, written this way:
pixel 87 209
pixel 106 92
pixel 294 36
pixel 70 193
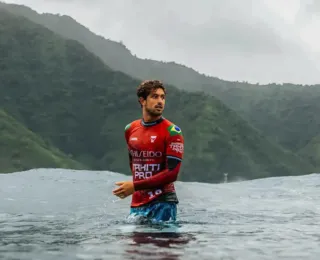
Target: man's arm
pixel 126 137
pixel 174 151
pixel 130 160
pixel 164 177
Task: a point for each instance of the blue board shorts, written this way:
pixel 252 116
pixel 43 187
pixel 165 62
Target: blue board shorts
pixel 157 212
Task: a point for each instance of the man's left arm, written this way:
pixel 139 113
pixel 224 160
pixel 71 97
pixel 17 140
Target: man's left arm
pixel 174 153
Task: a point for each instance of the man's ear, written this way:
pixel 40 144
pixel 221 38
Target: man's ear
pixel 141 101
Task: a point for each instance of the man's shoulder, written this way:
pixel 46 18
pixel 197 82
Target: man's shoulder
pixel 171 128
pixel 132 124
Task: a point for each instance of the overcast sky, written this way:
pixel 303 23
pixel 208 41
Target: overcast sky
pixel 247 40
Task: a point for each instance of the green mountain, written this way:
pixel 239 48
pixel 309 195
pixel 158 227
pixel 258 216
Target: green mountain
pixel 115 54
pixel 312 151
pixel 287 114
pixel 69 97
pixel 21 149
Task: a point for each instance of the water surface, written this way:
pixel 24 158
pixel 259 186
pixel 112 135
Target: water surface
pixel 65 214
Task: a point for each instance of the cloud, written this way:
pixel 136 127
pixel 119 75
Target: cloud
pixel 231 39
pixel 312 6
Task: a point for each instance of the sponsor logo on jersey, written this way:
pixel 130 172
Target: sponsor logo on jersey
pixel 153 138
pixel 139 154
pixel 177 147
pixel 174 130
pixel 144 171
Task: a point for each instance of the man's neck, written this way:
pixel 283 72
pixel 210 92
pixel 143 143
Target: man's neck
pixel 148 118
pixel 151 121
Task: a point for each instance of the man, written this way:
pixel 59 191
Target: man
pixel 156 148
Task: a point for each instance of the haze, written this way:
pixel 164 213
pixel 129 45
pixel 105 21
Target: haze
pixel 247 40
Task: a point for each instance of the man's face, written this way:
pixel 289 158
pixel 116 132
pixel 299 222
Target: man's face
pixel 154 104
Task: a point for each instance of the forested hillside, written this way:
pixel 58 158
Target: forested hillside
pixel 20 149
pixel 68 96
pixel 287 114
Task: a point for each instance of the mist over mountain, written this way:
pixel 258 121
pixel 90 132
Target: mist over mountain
pixel 67 95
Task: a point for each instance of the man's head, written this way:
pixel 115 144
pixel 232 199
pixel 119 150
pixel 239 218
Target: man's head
pixel 151 95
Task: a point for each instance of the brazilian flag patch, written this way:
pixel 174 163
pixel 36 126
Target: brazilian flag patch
pixel 174 130
pixel 127 127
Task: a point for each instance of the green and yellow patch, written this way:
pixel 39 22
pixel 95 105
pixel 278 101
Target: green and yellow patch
pixel 174 130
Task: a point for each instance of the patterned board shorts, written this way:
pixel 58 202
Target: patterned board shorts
pixel 157 212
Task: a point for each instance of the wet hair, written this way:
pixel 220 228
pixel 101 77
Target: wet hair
pixel 145 88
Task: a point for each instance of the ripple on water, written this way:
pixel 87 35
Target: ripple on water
pixel 71 215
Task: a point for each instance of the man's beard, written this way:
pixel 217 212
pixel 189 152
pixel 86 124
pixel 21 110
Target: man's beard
pixel 153 112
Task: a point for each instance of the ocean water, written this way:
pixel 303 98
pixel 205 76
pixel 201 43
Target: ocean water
pixel 65 214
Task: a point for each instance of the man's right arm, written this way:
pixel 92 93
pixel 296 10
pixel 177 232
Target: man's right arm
pixel 130 160
pixel 126 136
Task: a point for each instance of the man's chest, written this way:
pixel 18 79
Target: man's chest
pixel 147 140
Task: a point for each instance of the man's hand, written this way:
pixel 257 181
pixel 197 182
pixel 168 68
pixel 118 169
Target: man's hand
pixel 126 189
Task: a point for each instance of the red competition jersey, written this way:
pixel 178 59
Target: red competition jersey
pixel 150 145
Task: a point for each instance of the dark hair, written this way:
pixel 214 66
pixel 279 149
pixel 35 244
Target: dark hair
pixel 145 88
